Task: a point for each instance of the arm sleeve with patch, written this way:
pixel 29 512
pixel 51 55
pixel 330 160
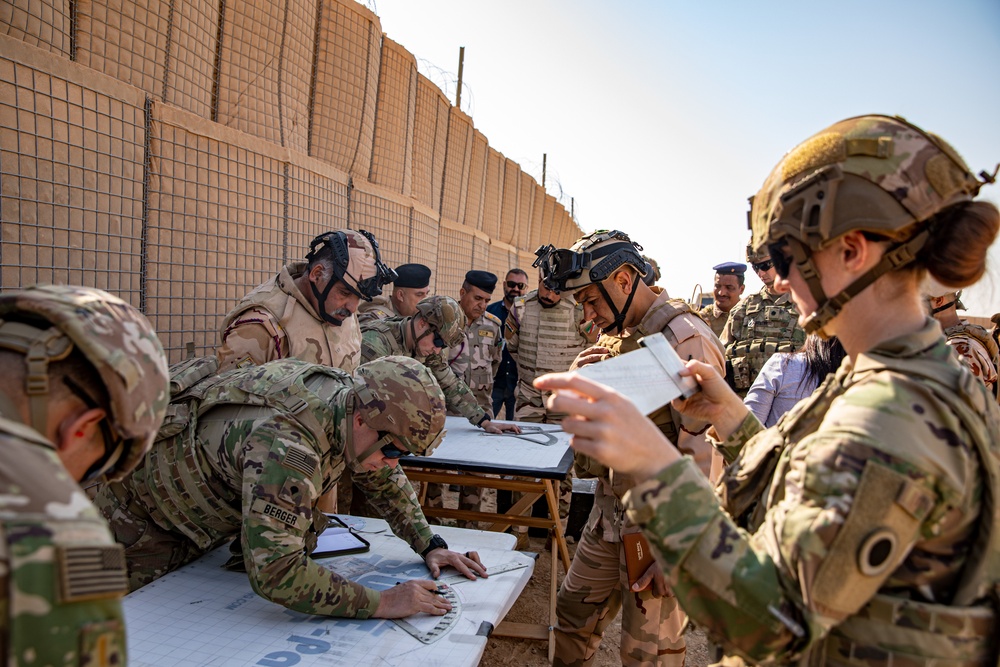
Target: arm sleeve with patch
pixel 457 394
pixel 281 483
pixel 770 595
pixel 255 337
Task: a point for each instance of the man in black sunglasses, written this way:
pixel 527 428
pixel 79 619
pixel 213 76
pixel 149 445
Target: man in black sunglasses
pixel 85 389
pixel 760 325
pixel 307 311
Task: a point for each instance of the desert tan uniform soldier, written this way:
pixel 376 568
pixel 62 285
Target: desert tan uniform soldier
pixel 476 359
pixel 603 271
pixel 544 339
pixel 973 343
pixel 715 318
pixel 86 388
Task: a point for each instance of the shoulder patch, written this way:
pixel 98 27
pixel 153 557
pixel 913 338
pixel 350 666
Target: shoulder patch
pixel 490 317
pixel 301 460
pixel 91 572
pixel 262 507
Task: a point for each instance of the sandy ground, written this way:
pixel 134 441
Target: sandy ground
pixel 532 607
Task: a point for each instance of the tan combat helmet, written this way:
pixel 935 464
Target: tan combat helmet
pixel 356 261
pixel 46 323
pixel 444 315
pixel 877 174
pixel 756 256
pixel 399 396
pixel 590 261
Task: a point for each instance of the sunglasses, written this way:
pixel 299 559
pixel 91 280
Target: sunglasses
pixel 390 450
pixel 763 266
pixel 513 284
pixel 438 341
pixel 780 259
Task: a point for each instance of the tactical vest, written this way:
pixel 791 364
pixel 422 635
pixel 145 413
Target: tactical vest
pixel 379 308
pixel 657 320
pixel 549 338
pixel 175 482
pixel 891 628
pixel 309 338
pixel 764 327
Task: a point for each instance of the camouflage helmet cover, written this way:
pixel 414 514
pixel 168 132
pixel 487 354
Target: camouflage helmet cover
pixel 120 343
pixel 445 315
pixel 869 173
pixel 400 395
pixel 757 256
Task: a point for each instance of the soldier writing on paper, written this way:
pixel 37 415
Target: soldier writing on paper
pixel 248 453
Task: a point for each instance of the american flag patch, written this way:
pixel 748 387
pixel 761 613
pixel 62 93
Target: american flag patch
pixel 87 573
pixel 296 459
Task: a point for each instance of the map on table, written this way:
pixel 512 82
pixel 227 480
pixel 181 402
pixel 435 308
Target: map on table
pixel 539 446
pixel 204 615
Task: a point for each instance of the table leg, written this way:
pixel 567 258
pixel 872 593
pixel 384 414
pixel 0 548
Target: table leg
pixel 552 497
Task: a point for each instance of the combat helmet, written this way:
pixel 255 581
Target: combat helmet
pixel 356 262
pixel 46 323
pixel 444 315
pixel 590 261
pixel 399 396
pixel 876 174
pixel 756 256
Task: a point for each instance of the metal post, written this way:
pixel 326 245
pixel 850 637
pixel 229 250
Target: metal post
pixel 572 207
pixel 461 64
pixel 545 157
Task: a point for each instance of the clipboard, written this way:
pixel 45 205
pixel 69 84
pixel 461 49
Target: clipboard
pixel 338 540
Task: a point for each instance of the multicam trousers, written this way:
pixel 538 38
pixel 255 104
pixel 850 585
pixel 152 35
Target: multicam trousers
pixel 595 587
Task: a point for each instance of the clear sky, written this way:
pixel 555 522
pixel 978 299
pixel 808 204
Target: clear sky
pixel 661 117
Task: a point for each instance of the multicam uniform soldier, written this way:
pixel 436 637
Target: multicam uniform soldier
pixel 544 332
pixel 423 336
pixel 267 441
pixel 604 271
pixel 477 358
pixel 408 289
pixel 864 528
pixel 307 311
pixel 85 390
pixel 759 325
pixel 726 292
pixel 973 343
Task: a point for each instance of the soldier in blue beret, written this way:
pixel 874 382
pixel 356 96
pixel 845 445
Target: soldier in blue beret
pixel 727 291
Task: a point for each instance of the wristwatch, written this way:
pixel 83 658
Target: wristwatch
pixel 437 542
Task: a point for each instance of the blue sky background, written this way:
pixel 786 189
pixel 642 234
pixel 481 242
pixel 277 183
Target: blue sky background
pixel 661 118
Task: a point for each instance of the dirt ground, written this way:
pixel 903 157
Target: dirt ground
pixel 532 607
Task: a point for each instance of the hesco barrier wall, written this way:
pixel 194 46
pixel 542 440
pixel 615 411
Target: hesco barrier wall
pixel 178 153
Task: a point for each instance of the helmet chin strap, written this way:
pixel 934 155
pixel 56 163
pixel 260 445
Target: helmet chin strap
pixel 941 309
pixel 896 257
pixel 618 324
pixel 321 302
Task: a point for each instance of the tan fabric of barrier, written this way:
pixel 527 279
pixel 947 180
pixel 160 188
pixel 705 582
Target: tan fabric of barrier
pixel 392 150
pixel 456 165
pixel 430 140
pixel 194 43
pixel 41 23
pixel 125 40
pixel 348 56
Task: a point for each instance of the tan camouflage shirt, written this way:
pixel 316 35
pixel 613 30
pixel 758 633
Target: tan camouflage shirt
pixel 691 339
pixel 477 358
pixel 61 573
pixel 276 321
pixel 715 317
